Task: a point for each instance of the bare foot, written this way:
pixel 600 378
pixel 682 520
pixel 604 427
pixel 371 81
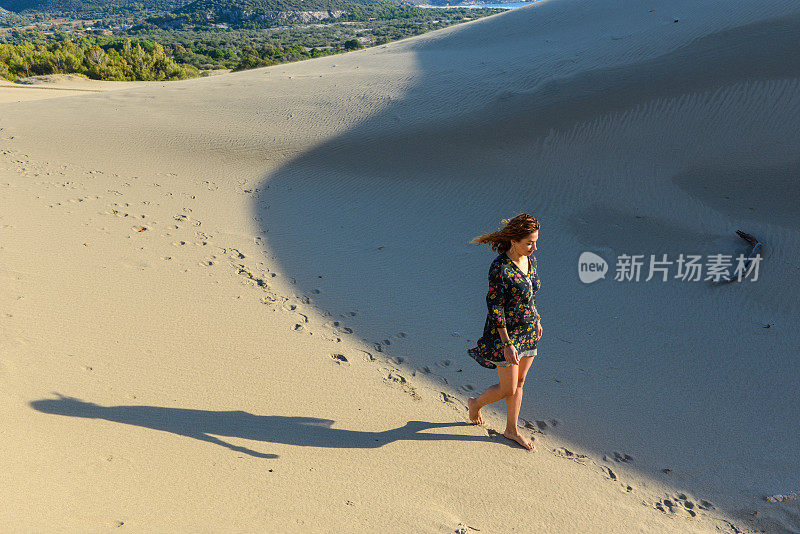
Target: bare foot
pixel 474 414
pixel 519 438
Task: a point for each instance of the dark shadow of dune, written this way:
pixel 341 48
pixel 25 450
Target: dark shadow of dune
pixel 434 148
pixel 374 224
pixel 358 190
pixel 754 194
pixel 206 425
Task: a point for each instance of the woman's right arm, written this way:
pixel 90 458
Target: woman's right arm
pixel 495 299
pixel 509 351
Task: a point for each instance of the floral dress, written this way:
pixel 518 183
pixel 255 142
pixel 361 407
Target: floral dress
pixel 511 303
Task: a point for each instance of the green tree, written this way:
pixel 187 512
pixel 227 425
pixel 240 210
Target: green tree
pixel 353 44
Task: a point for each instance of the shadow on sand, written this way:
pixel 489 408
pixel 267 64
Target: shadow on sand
pixel 206 424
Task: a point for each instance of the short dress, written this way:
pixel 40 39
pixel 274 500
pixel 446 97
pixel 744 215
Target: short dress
pixel 511 304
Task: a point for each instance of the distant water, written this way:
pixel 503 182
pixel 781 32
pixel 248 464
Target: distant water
pixel 505 5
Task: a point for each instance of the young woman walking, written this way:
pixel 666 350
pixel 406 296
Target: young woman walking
pixel 513 325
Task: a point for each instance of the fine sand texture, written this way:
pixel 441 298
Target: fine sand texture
pixel 57 85
pixel 242 303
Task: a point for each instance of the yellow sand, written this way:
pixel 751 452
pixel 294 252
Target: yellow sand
pixel 185 264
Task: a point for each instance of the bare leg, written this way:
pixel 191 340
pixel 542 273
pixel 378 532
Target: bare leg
pixel 508 378
pixel 512 411
pixel 492 394
pixel 513 405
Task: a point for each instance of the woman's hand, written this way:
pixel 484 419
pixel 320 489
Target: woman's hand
pixel 538 330
pixel 510 354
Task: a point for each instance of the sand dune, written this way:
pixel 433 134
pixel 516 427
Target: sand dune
pixel 274 263
pixel 58 85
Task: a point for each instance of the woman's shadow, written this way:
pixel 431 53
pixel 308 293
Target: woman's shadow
pixel 206 424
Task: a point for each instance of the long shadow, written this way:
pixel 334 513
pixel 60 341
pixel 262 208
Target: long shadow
pixel 205 425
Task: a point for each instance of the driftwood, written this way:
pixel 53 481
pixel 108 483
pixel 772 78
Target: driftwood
pixel 755 251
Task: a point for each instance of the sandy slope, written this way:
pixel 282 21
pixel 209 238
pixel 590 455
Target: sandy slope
pixel 190 259
pixel 58 85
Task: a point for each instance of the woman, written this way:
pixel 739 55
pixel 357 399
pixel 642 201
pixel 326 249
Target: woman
pixel 513 325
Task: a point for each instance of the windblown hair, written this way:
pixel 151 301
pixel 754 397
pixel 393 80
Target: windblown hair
pixel 520 226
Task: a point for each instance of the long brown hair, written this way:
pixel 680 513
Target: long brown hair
pixel 520 226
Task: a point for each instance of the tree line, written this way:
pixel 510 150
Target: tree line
pixel 123 60
pixel 155 53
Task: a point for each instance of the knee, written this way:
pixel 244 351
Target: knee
pixel 509 391
pixel 520 384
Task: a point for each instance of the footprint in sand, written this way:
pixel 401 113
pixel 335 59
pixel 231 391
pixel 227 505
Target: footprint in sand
pixel 269 300
pixel 444 363
pixel 249 277
pixel 468 387
pixel 542 426
pixel 393 377
pixel 566 453
pixel 530 425
pixel 118 213
pixel 181 218
pixel 689 506
pixel 672 506
pixel 462 528
pixel 446 397
pixel 609 473
pixel 622 457
pixel 340 359
pixel 338 326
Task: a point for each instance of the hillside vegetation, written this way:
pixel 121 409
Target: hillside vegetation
pixel 183 39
